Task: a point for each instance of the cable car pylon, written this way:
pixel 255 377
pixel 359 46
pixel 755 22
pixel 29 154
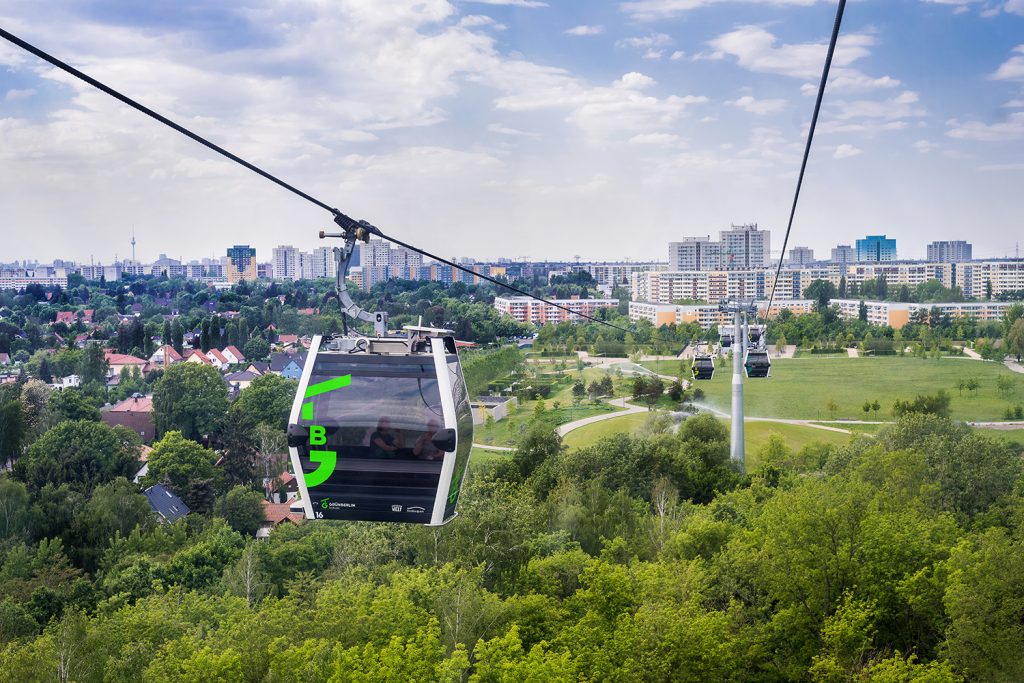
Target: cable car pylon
pixel 740 311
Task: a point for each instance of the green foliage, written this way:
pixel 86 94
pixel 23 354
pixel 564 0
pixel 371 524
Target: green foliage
pixel 483 367
pixel 267 400
pixel 186 468
pixel 190 398
pixel 923 404
pixel 80 454
pixel 256 349
pixel 242 509
pixel 72 404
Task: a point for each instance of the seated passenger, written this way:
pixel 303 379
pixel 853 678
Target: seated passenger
pixel 424 448
pixel 386 440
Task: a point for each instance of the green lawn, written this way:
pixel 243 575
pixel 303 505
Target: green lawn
pixel 506 432
pixel 755 434
pixel 669 368
pixel 800 388
pixel 1011 435
pixel 591 434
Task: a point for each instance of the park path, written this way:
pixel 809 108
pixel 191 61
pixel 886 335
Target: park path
pixel 852 352
pixel 630 409
pixel 1015 367
pixel 971 353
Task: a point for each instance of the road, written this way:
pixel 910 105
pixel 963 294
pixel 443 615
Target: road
pixel 630 409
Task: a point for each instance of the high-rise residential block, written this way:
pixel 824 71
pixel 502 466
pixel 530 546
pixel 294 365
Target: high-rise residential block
pixel 695 253
pixel 950 251
pixel 744 247
pixel 286 262
pixel 241 263
pixel 876 249
pixel 844 253
pixel 801 256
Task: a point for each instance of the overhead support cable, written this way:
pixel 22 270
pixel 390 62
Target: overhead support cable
pixel 347 223
pixel 807 148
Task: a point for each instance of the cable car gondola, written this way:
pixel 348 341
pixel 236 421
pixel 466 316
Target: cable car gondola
pixel 703 367
pixel 381 427
pixel 756 362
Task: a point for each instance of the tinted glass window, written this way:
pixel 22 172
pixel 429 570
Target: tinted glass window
pixel 370 455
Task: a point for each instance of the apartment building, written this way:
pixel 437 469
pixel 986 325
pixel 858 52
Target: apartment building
pixel 529 310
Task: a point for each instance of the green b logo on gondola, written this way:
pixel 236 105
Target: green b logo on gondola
pixel 327 460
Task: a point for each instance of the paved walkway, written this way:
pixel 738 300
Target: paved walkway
pixel 852 352
pixel 504 449
pixel 1015 367
pixel 971 353
pixel 630 409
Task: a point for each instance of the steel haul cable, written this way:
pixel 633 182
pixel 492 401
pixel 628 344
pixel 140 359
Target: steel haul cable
pixel 807 150
pixel 339 218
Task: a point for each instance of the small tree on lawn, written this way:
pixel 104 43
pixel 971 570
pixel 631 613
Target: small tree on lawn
pixel 972 385
pixel 831 406
pixel 876 406
pixel 866 407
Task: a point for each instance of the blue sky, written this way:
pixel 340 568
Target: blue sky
pixel 512 127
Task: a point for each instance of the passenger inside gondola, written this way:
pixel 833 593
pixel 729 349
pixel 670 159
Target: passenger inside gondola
pixel 386 441
pixel 424 448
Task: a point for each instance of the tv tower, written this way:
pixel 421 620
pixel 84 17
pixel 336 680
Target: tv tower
pixel 133 247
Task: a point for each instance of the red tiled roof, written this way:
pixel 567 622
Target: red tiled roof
pixel 171 352
pixel 134 405
pixel 217 355
pixel 199 354
pixel 275 513
pixel 287 338
pixel 121 359
pixel 236 353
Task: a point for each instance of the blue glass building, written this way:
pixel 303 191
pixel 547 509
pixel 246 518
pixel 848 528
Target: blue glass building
pixel 875 249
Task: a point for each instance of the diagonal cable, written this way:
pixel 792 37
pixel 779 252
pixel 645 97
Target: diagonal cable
pixel 340 218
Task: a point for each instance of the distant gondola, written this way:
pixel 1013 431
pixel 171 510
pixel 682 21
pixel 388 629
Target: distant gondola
pixel 703 367
pixel 756 363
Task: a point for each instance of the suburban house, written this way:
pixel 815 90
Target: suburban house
pixel 240 380
pixel 276 514
pixel 287 340
pixel 165 352
pixel 135 413
pixel 5 359
pixel 218 359
pixel 71 317
pixel 197 356
pixel 118 361
pixel 281 488
pixel 259 367
pixel 233 355
pixel 165 504
pixel 287 365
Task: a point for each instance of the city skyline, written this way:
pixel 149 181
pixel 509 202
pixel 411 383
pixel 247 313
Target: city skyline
pixel 513 128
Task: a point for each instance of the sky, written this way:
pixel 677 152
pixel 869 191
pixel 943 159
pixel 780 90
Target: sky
pixel 510 128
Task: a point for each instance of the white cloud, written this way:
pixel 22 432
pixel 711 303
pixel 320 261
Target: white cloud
pixel 1014 104
pixel 846 151
pixel 659 139
pixel 677 55
pixel 650 10
pixel 475 20
pixel 1013 68
pixel 655 40
pixel 925 146
pixel 585 30
pixel 756 49
pixel 904 105
pixel 14 94
pixel 505 130
pixel 1014 7
pixel 1003 131
pixel 756 106
pixel 514 3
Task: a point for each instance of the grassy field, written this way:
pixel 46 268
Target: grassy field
pixel 591 434
pixel 1011 435
pixel 506 432
pixel 801 388
pixel 755 433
